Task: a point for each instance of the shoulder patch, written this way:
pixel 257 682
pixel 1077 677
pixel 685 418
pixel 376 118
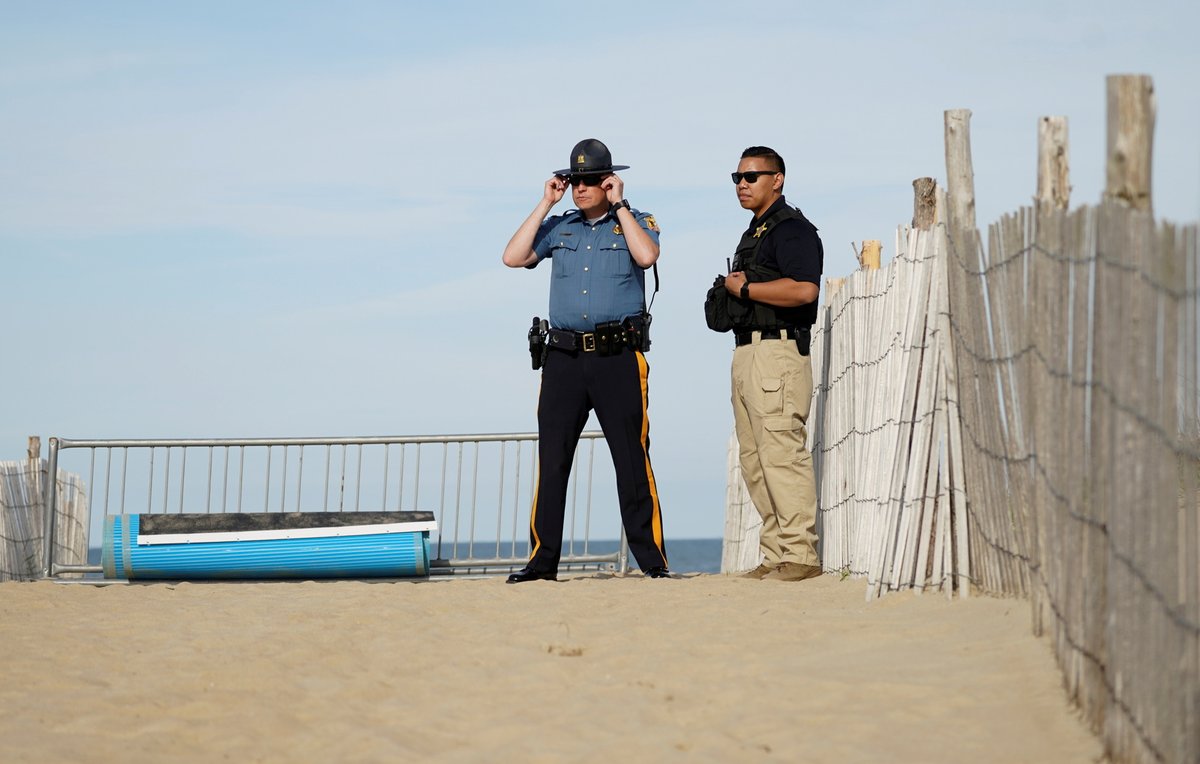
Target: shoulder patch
pixel 652 224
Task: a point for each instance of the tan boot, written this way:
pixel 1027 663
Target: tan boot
pixel 758 572
pixel 793 571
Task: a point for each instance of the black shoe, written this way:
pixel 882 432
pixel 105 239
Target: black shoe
pixel 528 574
pixel 659 572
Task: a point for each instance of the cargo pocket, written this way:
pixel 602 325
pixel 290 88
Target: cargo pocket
pixel 772 396
pixel 784 441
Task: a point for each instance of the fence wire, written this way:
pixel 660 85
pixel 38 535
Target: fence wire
pixel 1075 336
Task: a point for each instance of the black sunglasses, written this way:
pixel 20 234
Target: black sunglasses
pixel 587 180
pixel 752 176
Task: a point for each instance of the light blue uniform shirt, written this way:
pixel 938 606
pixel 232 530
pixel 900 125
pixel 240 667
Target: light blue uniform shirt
pixel 593 278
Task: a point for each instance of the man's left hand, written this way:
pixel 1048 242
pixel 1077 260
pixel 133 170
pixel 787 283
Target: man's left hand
pixel 733 283
pixel 614 188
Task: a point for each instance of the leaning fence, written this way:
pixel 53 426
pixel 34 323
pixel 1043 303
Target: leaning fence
pixel 479 488
pixel 883 426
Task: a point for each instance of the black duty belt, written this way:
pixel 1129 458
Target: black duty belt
pixel 788 333
pixel 608 338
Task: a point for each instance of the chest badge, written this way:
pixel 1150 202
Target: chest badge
pixel 760 230
pixel 617 229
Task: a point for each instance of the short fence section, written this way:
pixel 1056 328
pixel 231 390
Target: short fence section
pixel 23 521
pixel 479 488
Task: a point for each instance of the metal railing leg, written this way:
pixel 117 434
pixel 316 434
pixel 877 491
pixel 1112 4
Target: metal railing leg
pixel 50 501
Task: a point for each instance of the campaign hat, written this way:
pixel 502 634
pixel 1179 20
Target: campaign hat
pixel 590 157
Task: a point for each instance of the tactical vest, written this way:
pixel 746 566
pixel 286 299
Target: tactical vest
pixel 762 316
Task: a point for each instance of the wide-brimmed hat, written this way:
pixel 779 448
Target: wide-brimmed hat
pixel 590 157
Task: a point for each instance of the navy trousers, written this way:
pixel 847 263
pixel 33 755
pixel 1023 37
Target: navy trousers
pixel 573 384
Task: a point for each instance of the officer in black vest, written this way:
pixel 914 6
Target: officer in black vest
pixel 770 301
pixel 595 351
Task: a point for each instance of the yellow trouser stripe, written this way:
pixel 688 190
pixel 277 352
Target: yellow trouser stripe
pixel 537 482
pixel 656 518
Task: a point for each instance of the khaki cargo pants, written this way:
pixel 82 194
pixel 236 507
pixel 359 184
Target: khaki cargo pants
pixel 771 392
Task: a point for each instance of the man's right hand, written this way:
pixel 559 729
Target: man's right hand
pixel 555 188
pixel 519 252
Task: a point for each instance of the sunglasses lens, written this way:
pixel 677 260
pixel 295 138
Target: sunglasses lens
pixel 585 180
pixel 751 177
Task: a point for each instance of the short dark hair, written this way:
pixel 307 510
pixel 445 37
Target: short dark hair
pixel 763 151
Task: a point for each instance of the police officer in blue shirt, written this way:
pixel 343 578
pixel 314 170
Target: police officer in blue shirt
pixel 595 358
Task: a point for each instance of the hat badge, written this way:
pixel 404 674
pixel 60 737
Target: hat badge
pixel 581 159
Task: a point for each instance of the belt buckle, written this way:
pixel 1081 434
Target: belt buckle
pixel 589 341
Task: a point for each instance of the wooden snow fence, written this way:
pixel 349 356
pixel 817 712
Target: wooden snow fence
pixel 1079 421
pixel 884 450
pixel 22 520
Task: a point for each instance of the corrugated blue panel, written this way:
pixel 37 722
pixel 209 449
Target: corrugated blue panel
pixel 375 555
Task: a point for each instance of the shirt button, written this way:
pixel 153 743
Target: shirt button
pixel 585 315
pixel 585 268
pixel 589 246
pixel 585 291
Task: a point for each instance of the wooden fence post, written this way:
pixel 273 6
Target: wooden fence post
pixel 871 252
pixel 1131 110
pixel 960 176
pixel 924 203
pixel 959 205
pixel 1054 177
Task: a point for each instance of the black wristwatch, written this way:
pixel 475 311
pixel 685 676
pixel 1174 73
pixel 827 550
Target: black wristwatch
pixel 745 291
pixel 618 205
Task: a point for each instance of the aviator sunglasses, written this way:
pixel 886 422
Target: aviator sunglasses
pixel 752 176
pixel 586 180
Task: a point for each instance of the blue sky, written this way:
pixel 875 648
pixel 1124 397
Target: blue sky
pixel 286 218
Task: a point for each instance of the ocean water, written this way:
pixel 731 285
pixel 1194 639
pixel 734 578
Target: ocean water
pixel 684 555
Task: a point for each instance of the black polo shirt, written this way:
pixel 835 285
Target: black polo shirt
pixel 794 249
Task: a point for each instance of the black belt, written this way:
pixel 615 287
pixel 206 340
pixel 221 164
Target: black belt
pixel 609 338
pixel 747 337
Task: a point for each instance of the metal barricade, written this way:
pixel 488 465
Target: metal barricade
pixel 482 525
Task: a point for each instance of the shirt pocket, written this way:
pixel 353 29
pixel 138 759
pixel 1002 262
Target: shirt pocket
pixel 613 259
pixel 564 256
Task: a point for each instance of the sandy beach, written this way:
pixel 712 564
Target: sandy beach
pixel 592 668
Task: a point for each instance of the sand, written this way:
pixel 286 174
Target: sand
pixel 594 668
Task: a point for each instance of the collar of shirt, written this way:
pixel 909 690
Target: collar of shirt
pixel 780 203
